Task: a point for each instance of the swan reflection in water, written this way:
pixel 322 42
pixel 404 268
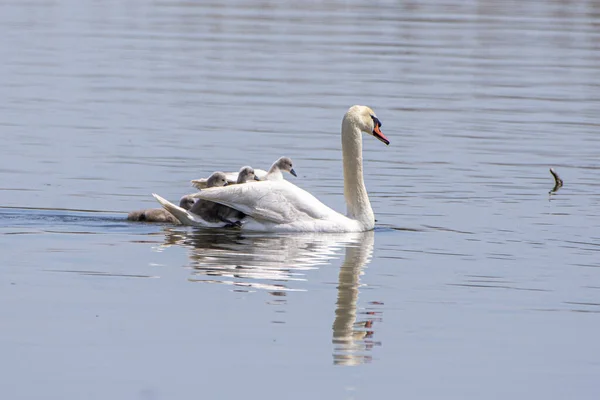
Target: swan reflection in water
pixel 279 264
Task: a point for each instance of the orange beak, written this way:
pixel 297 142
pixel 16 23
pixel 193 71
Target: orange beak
pixel 379 135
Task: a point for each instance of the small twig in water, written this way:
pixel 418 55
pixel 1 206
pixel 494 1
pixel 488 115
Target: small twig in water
pixel 557 181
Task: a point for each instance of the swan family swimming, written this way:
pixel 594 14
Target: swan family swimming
pixel 277 205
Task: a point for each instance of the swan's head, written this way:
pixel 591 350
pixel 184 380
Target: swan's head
pixel 246 174
pixel 285 164
pixel 365 119
pixel 217 179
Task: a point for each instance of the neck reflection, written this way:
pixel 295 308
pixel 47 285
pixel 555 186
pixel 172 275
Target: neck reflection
pixel 351 339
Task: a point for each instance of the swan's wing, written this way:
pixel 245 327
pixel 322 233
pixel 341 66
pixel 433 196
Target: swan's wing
pixel 230 176
pixel 280 202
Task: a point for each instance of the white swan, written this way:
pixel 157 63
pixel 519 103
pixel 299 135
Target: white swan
pixel 283 164
pixel 283 206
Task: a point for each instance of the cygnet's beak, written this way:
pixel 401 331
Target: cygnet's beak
pixel 226 183
pixel 293 172
pixel 256 178
pixel 379 135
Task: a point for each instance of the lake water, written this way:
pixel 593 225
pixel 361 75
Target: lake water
pixel 476 283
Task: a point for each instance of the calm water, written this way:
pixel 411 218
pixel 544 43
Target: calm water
pixel 475 284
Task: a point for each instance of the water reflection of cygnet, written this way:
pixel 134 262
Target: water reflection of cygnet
pixel 278 264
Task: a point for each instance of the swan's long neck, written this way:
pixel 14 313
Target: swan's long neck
pixel 358 206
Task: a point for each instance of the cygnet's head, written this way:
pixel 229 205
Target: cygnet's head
pixel 365 119
pixel 187 202
pixel 285 164
pixel 246 174
pixel 217 179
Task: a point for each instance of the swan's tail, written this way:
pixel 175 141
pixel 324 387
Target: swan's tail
pixel 184 216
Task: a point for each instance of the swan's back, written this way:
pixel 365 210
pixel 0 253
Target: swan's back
pixel 279 202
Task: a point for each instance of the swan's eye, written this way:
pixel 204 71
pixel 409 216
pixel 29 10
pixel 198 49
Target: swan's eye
pixel 376 121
